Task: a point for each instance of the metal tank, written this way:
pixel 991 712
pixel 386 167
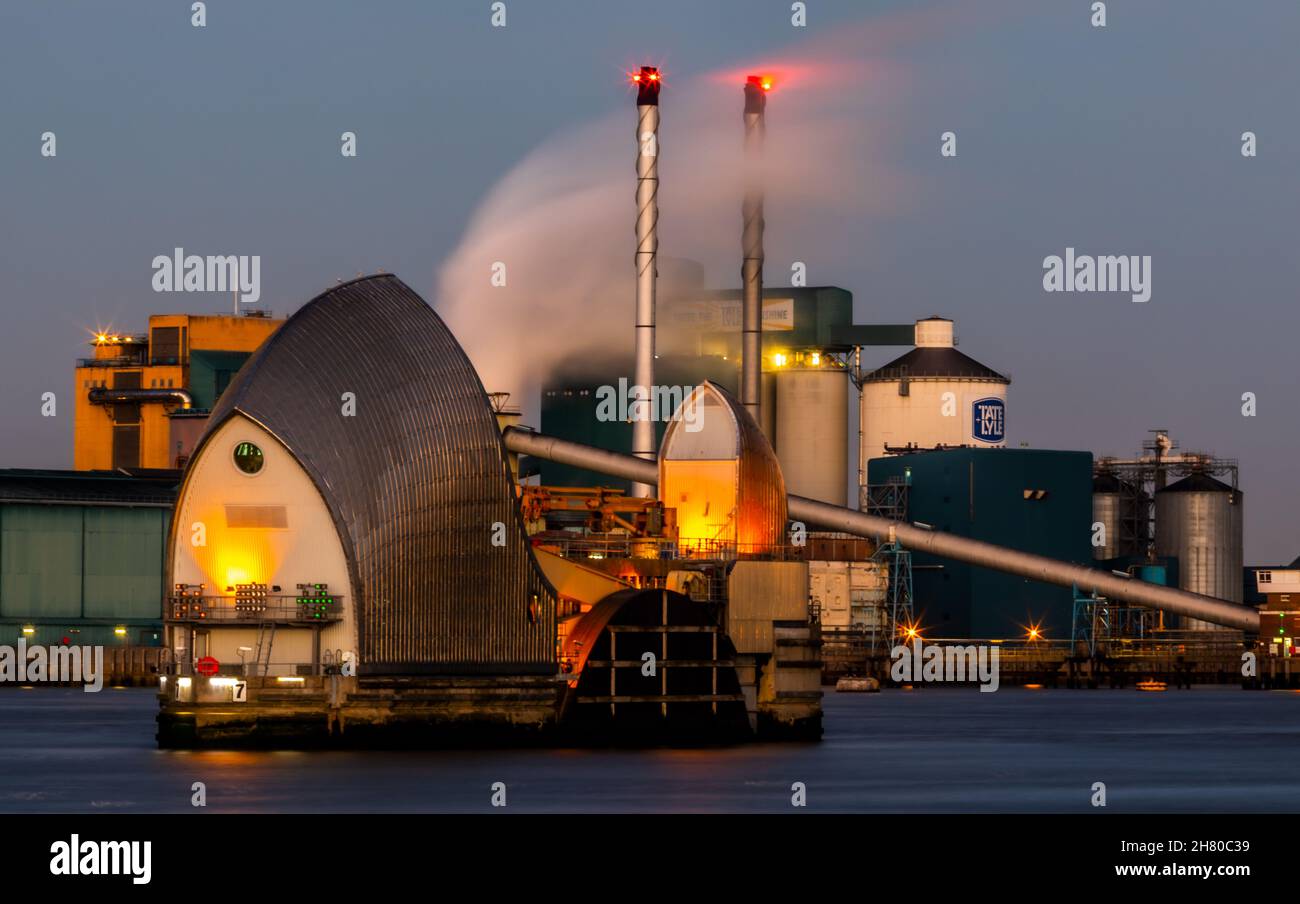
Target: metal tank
pixel 1199 521
pixel 812 432
pixel 1119 507
pixel 930 397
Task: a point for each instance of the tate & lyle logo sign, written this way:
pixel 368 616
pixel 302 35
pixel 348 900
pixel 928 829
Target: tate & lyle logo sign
pixel 989 420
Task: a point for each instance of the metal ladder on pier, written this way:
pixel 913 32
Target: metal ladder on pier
pixel 262 655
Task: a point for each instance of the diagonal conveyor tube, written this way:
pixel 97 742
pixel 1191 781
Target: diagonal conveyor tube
pixel 976 552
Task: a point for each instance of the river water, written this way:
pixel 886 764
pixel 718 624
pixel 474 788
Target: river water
pixel 1209 749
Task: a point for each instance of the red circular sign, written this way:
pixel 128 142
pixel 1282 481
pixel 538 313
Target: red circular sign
pixel 207 666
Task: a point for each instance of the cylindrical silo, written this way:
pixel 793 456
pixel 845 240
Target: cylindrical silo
pixel 1117 506
pixel 932 396
pixel 1199 521
pixel 812 430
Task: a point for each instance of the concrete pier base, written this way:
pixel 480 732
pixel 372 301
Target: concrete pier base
pixel 337 711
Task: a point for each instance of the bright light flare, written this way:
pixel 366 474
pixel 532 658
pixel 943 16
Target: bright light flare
pixel 645 73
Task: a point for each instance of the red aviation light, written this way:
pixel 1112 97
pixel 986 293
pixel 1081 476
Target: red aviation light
pixel 648 82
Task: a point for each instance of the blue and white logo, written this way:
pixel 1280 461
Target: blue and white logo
pixel 990 422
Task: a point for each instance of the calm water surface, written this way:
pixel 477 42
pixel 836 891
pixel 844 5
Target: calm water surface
pixel 936 750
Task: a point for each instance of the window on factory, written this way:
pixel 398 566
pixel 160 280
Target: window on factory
pixel 165 345
pixel 248 458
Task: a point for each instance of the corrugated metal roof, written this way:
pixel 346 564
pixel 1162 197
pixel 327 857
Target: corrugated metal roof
pixel 1198 483
pixel 935 362
pixel 415 480
pixel 21 485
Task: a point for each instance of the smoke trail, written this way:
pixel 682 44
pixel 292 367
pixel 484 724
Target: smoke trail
pixel 562 220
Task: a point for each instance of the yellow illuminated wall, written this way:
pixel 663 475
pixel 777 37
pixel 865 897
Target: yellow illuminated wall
pixel 298 545
pixel 93 424
pixel 704 494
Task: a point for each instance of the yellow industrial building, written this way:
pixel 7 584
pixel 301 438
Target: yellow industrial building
pixel 142 400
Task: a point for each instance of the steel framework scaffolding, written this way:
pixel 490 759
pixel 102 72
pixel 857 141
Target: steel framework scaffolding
pixel 1139 478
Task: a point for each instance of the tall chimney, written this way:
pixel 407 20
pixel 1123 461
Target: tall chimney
pixel 647 246
pixel 751 339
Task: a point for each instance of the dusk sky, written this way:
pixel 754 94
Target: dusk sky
pixel 1118 140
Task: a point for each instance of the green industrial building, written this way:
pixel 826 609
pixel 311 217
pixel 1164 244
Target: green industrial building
pixel 698 338
pixel 1033 500
pixel 81 556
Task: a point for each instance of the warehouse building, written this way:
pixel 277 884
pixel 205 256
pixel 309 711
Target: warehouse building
pixel 81 556
pixel 1032 500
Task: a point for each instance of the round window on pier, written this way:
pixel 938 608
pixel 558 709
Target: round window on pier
pixel 248 458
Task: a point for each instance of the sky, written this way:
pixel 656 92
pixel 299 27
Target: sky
pixel 1123 139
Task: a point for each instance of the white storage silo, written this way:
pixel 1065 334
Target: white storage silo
pixel 932 396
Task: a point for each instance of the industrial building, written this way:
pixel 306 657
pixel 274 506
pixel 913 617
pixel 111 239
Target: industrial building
pixel 810 348
pixel 81 556
pixel 357 555
pixel 1279 620
pixel 372 574
pixel 933 397
pixel 1027 499
pixel 142 400
pixel 1170 508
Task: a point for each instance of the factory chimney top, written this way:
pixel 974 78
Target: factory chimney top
pixel 647 83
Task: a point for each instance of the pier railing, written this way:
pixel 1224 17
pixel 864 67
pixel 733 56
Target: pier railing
pixel 281 609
